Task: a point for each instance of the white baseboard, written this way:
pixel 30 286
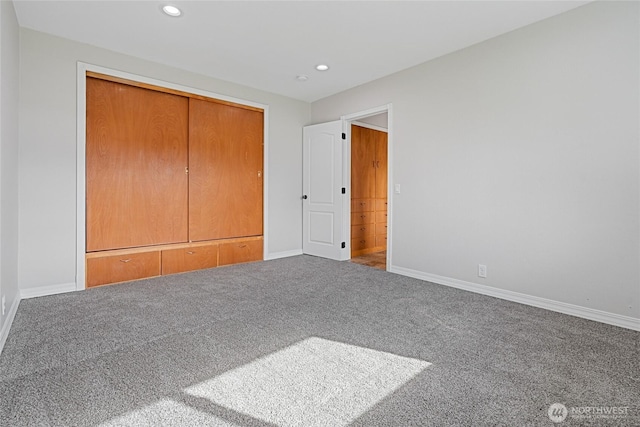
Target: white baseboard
pixel 4 332
pixel 560 307
pixel 47 290
pixel 285 254
pixel 30 293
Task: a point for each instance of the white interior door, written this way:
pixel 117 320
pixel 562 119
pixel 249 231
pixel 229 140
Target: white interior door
pixel 322 183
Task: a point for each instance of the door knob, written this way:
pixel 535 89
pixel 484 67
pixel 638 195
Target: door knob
pixel 304 197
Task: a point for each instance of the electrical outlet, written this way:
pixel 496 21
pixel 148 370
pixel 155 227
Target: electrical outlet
pixel 4 305
pixel 482 270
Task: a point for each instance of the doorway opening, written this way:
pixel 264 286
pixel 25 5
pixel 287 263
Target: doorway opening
pixel 369 176
pixel 330 213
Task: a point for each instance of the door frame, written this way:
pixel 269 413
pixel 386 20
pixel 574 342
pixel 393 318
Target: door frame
pixel 353 118
pixel 81 118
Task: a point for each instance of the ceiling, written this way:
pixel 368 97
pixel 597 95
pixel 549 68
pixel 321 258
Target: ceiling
pixel 266 44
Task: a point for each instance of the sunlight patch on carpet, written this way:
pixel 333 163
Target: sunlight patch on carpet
pixel 313 382
pixel 167 412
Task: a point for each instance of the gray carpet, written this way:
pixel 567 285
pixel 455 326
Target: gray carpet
pixel 310 342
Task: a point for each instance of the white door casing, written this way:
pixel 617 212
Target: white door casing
pixel 348 120
pixel 322 183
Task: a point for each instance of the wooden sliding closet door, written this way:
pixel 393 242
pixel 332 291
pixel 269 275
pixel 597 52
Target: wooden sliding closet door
pixel 137 152
pixel 225 171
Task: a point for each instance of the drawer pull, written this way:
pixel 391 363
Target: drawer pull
pixel 242 246
pixel 363 216
pixel 125 260
pixel 363 228
pixel 190 252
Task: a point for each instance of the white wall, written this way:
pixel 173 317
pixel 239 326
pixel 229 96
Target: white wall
pixel 48 153
pixel 379 120
pixel 521 153
pixel 9 79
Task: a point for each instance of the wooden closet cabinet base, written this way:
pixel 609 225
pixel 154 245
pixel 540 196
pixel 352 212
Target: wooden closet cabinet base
pixel 123 265
pixel 193 257
pixel 240 250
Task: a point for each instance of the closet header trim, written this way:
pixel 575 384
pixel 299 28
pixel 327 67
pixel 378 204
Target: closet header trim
pixel 115 79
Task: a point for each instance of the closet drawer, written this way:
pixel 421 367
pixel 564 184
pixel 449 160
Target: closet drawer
pixel 358 218
pixel 109 268
pixel 188 259
pixel 362 231
pixel 362 205
pixel 381 205
pixel 362 243
pixel 381 217
pixel 241 251
pixel 381 229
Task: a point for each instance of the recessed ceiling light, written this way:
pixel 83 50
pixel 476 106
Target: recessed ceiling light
pixel 322 67
pixel 302 78
pixel 171 10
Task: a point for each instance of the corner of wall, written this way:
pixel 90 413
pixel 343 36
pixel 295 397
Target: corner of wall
pixel 6 326
pixel 9 147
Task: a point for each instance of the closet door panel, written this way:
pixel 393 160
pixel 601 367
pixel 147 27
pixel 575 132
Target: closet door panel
pixel 363 172
pixel 136 154
pixel 225 171
pixel 381 164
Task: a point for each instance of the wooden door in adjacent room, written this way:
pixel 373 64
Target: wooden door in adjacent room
pixel 368 190
pixel 363 166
